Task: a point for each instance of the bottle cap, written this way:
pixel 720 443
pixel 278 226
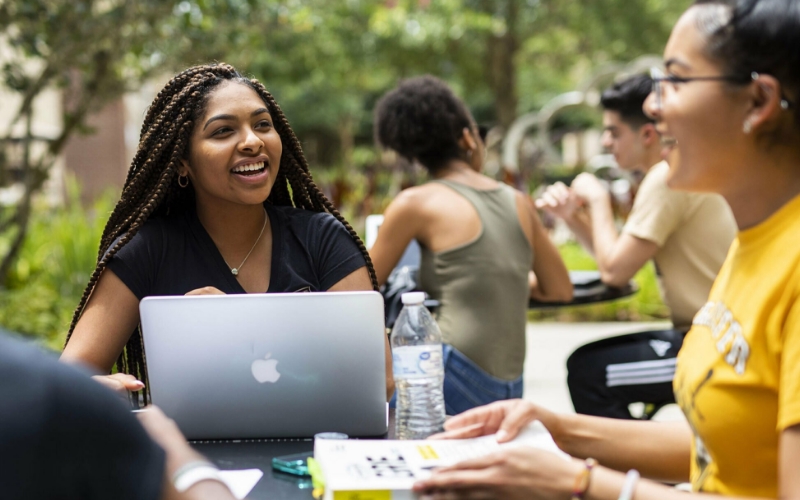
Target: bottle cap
pixel 413 298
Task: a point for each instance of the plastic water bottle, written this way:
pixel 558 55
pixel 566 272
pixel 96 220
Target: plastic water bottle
pixel 418 370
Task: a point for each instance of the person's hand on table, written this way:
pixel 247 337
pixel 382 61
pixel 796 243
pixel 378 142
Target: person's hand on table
pixel 164 431
pixel 503 418
pixel 120 383
pixel 587 187
pixel 512 473
pixel 515 472
pixel 559 201
pixel 206 290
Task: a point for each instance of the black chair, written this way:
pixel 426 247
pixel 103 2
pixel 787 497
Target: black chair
pixel 403 278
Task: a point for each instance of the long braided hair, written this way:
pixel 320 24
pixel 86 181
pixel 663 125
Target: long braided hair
pixel 151 187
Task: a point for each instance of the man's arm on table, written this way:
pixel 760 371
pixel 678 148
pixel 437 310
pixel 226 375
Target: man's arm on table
pixel 618 257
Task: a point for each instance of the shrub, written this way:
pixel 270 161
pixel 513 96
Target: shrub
pixel 644 305
pixel 58 256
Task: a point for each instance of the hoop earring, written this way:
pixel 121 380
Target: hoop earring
pixel 183 181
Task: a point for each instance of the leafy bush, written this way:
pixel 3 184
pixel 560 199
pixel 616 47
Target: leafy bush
pixel 47 280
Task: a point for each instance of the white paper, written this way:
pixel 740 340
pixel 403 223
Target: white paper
pixel 241 482
pixel 535 435
pixel 396 465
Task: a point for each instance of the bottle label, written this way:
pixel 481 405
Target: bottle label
pixel 417 361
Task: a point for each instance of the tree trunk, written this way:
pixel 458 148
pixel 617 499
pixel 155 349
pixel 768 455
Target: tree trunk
pixel 23 210
pixel 501 51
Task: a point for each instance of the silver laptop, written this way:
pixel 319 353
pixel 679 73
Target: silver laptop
pixel 268 365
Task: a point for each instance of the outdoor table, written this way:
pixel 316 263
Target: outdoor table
pixel 258 454
pixel 588 289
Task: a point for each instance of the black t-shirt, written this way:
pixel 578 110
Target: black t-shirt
pixel 64 436
pixel 174 254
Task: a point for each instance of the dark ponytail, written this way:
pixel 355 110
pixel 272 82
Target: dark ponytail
pixel 761 36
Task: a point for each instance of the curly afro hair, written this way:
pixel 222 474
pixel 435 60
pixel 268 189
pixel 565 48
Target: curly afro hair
pixel 423 120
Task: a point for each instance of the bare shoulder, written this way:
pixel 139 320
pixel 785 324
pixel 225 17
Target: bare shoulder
pixel 526 214
pixel 522 199
pixel 416 200
pixel 525 205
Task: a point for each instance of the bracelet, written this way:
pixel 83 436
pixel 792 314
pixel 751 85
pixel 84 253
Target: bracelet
pixel 628 487
pixel 582 480
pixel 194 472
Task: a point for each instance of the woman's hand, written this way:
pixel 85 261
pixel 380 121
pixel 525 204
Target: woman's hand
pixel 503 418
pixel 206 290
pixel 512 473
pixel 120 383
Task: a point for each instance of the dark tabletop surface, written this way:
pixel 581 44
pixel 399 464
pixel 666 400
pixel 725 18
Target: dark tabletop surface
pixel 258 454
pixel 588 289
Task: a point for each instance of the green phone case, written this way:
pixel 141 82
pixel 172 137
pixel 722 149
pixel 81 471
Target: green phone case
pixel 293 464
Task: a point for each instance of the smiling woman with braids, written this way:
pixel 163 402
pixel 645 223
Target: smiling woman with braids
pixel 207 209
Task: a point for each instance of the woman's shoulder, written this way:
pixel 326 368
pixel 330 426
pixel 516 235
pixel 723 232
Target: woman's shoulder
pixel 308 226
pixel 167 226
pixel 419 199
pixel 156 231
pixel 173 222
pixel 299 217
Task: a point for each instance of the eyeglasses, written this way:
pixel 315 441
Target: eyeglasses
pixel 658 77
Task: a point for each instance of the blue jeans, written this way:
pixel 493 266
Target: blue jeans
pixel 466 385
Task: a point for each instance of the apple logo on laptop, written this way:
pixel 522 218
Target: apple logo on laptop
pixel 265 370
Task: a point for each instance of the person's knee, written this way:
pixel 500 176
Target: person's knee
pixel 582 368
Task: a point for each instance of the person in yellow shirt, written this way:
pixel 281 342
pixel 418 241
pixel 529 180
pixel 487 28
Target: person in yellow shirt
pixel 728 105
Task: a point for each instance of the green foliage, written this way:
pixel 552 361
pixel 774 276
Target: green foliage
pixel 93 51
pixel 327 62
pixel 47 280
pixel 645 305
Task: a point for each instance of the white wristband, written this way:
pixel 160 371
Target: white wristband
pixel 194 472
pixel 628 487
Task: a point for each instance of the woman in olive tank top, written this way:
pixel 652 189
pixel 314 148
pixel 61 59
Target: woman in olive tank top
pixel 484 250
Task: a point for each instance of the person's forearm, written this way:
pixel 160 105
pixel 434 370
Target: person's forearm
pixel 178 457
pixel 607 484
pixel 389 371
pixel 552 283
pixel 209 490
pixel 581 226
pixel 604 233
pixel 658 450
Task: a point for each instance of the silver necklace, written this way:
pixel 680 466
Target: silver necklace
pixel 235 270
